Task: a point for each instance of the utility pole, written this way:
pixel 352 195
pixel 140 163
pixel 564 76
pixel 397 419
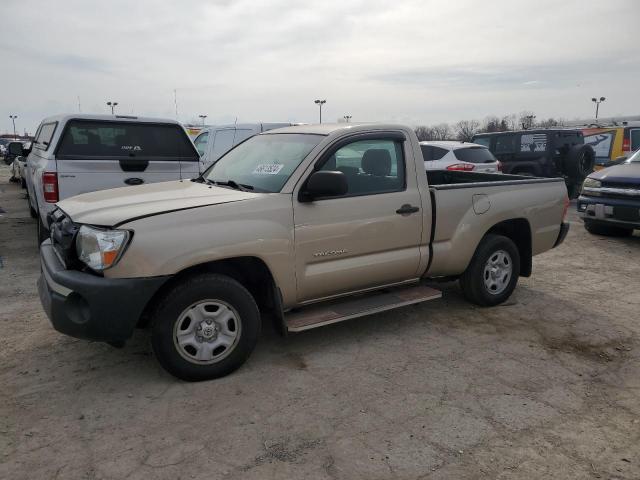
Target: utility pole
pixel 598 102
pixel 320 103
pixel 113 106
pixel 13 119
pixel 347 118
pixel 202 117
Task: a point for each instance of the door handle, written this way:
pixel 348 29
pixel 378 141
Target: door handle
pixel 407 209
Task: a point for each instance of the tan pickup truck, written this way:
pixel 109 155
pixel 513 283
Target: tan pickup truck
pixel 309 224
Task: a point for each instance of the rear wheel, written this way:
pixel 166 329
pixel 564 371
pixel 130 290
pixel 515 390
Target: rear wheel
pixel 493 272
pixel 607 230
pixel 205 327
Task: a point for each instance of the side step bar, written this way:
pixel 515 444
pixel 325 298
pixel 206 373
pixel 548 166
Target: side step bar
pixel 357 306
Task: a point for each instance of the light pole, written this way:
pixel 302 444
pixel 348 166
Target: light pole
pixel 320 103
pixel 113 106
pixel 13 119
pixel 597 102
pixel 202 117
pixel 347 118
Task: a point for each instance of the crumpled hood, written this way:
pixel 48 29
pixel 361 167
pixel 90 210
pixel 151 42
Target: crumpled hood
pixel 623 173
pixel 118 205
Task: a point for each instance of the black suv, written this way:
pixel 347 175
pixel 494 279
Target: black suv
pixel 548 152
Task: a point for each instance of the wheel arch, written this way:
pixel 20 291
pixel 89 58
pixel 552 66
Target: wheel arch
pixel 251 272
pixel 519 231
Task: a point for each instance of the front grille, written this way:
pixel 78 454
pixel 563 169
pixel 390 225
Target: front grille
pixel 63 235
pixel 620 190
pixel 626 214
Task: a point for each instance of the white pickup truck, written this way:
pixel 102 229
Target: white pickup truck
pixel 312 224
pixel 76 153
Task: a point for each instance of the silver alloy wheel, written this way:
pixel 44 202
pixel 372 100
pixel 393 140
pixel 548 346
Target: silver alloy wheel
pixel 207 331
pixel 497 272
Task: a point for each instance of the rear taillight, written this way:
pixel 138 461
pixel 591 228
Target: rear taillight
pixel 626 145
pixel 464 167
pixel 499 166
pixel 50 187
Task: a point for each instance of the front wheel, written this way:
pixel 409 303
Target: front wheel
pixel 205 327
pixel 493 272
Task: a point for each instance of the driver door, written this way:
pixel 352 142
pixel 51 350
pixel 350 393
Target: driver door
pixel 362 239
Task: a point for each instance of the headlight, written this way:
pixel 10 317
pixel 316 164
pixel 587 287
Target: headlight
pixel 589 185
pixel 100 249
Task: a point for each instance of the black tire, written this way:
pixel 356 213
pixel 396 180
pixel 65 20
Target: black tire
pixel 43 232
pixel 579 161
pixel 472 281
pixel 204 287
pixel 33 213
pixel 23 183
pixel 607 230
pixel 573 190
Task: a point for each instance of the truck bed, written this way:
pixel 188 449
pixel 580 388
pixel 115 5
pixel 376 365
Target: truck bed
pixel 464 202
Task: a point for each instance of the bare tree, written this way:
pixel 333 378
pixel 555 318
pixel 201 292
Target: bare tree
pixel 526 119
pixel 551 122
pixel 424 133
pixel 442 131
pixel 465 129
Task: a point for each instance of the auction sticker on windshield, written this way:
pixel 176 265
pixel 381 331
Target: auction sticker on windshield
pixel 268 169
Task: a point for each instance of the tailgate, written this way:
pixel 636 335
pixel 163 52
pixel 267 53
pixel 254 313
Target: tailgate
pixel 100 154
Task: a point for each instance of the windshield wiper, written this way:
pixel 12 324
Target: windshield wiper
pixel 231 183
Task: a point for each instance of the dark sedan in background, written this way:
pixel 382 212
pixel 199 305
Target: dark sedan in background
pixel 610 199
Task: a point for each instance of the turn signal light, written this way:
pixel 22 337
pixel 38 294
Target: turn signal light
pixel 50 187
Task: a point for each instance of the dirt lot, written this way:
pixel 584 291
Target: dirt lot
pixel 545 386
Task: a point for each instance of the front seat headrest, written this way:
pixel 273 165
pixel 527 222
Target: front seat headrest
pixel 377 162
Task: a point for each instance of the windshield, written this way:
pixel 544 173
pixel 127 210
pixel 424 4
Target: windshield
pixel 263 163
pixel 635 157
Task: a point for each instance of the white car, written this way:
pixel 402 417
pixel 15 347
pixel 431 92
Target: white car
pixel 464 156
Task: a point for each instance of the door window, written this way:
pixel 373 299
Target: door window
pixel 201 143
pixel 635 139
pixel 506 144
pixel 438 153
pixel 45 134
pixel 222 142
pixel 485 141
pixel 426 152
pixel 371 166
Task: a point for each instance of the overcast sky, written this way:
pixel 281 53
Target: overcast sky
pixel 416 62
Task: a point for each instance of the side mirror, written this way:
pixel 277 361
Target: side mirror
pixel 619 160
pixel 15 148
pixel 325 184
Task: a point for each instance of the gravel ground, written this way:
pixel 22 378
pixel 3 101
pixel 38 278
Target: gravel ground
pixel 545 386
